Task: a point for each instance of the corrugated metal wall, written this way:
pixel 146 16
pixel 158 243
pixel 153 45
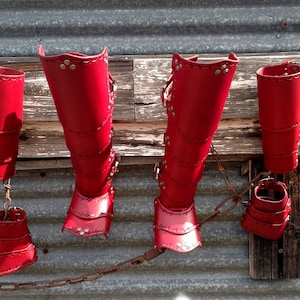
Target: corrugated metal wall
pixel 219 270
pixel 149 27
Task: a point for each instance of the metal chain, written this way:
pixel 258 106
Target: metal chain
pixel 230 202
pixel 7 198
pixel 92 276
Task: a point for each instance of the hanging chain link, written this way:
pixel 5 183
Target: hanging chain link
pixel 92 276
pixel 230 202
pixel 7 198
pixel 223 208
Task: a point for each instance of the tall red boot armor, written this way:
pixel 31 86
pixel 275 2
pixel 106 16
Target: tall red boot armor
pixel 194 97
pixel 16 248
pixel 83 93
pixel 279 115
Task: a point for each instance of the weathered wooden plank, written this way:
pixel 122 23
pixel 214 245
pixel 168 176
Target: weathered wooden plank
pixel 234 138
pixel 150 75
pixel 140 80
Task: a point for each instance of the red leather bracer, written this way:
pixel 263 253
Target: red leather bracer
pixel 11 116
pixel 83 93
pixel 16 248
pixel 279 115
pixel 268 211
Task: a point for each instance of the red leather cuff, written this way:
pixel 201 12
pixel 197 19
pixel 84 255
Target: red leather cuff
pixel 279 117
pixel 11 116
pixel 268 211
pixel 16 248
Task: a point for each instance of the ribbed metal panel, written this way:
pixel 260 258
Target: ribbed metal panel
pixel 148 27
pixel 218 270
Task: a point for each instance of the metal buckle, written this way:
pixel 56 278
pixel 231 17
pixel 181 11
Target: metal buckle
pixel 156 170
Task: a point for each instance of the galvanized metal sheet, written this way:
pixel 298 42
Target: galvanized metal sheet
pixel 218 270
pixel 148 27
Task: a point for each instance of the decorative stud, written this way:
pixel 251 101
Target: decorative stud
pixel 63 66
pixel 73 67
pixel 66 62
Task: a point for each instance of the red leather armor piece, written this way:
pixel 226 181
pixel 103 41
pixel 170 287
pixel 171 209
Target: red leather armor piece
pixel 194 97
pixel 90 216
pixel 272 231
pixel 16 248
pixel 268 211
pixel 83 93
pixel 279 115
pixel 266 202
pixel 182 224
pixel 11 116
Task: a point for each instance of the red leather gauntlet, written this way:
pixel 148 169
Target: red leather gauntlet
pixel 16 248
pixel 83 93
pixel 268 212
pixel 11 116
pixel 279 115
pixel 194 97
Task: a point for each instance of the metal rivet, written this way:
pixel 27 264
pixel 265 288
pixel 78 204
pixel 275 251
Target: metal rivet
pixel 63 67
pixel 86 230
pixel 176 61
pixel 72 67
pixel 66 62
pixel 78 228
pixel 223 67
pixel 226 71
pixel 179 67
pixel 217 72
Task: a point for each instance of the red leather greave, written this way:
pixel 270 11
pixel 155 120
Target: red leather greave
pixel 16 248
pixel 11 116
pixel 194 97
pixel 279 115
pixel 83 93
